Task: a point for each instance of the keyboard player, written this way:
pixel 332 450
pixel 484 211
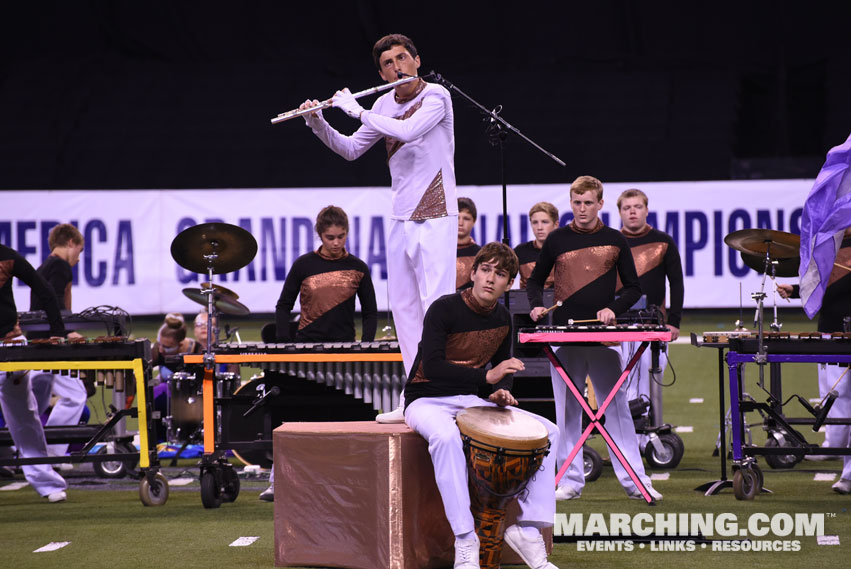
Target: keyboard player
pixel 587 258
pixel 16 397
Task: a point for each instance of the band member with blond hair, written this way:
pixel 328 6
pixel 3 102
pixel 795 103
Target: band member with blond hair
pixel 588 258
pixel 543 217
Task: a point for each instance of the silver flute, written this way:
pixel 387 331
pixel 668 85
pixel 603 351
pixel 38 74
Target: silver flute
pixel 327 102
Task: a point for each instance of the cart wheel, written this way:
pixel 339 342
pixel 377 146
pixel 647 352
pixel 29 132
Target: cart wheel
pixel 746 483
pixel 154 494
pixel 760 477
pixel 670 455
pixel 115 468
pixel 231 480
pixel 210 496
pixel 593 464
pixel 780 460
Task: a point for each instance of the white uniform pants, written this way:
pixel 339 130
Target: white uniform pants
pixel 420 269
pixel 603 365
pixel 834 435
pixel 434 419
pixel 68 408
pixel 20 411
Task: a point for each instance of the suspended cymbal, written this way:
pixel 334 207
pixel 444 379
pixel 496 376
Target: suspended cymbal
pixel 233 247
pixel 219 289
pixel 782 268
pixel 778 244
pixel 222 301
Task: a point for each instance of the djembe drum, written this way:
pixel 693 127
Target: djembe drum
pixel 504 450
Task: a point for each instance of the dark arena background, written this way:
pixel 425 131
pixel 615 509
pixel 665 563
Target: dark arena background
pixel 105 94
pixel 178 95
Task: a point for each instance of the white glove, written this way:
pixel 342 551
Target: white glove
pixel 312 119
pixel 344 101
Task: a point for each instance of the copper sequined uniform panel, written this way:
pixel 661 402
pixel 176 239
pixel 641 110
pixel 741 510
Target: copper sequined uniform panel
pixel 587 266
pixel 320 293
pixel 527 255
pixel 658 264
pixel 459 340
pixel 464 264
pixel 326 289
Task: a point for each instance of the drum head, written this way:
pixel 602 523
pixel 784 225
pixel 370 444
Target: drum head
pixel 502 427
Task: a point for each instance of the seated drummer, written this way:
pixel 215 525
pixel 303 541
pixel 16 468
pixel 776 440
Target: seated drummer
pixel 462 333
pixel 327 280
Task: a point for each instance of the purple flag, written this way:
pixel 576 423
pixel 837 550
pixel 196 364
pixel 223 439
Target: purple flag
pixel 827 213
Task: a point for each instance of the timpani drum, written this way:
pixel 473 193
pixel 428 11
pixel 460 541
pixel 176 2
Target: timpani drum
pixel 504 449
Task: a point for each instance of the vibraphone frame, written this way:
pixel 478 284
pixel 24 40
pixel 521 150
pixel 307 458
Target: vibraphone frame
pixel 742 455
pixel 580 336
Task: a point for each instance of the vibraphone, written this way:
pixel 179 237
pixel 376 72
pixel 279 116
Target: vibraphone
pixel 370 371
pixel 106 359
pixel 779 348
pixel 583 334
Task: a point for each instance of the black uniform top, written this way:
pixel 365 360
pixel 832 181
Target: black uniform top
pixel 836 303
pixel 464 263
pixel 460 338
pixel 57 273
pixel 327 289
pixel 14 265
pixel 527 255
pixel 587 265
pixel 656 258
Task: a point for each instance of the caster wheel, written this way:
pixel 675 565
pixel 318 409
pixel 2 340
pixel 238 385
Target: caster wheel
pixel 780 461
pixel 669 456
pixel 115 468
pixel 746 483
pixel 592 463
pixel 231 484
pixel 156 493
pixel 210 496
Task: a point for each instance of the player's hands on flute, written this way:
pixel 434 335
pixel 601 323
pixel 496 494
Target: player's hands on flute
pixel 503 368
pixel 345 101
pixel 309 117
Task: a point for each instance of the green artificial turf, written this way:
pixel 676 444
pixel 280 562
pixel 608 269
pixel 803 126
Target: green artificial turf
pixel 111 527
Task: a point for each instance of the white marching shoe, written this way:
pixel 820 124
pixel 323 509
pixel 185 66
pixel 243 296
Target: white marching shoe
pixel 395 416
pixel 532 551
pixel 466 553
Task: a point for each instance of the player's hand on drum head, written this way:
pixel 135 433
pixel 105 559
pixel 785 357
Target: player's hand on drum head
pixel 502 397
pixel 511 365
pixel 606 316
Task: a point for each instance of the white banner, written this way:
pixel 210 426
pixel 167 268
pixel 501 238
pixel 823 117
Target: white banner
pixel 127 260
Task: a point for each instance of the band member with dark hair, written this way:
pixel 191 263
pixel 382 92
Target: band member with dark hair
pixel 462 334
pixel 16 398
pixel 66 244
pixel 543 217
pixel 415 121
pixel 657 260
pixel 467 247
pixel 587 259
pixel 327 280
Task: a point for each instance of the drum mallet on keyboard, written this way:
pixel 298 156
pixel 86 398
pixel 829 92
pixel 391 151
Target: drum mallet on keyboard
pixel 571 322
pixel 551 308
